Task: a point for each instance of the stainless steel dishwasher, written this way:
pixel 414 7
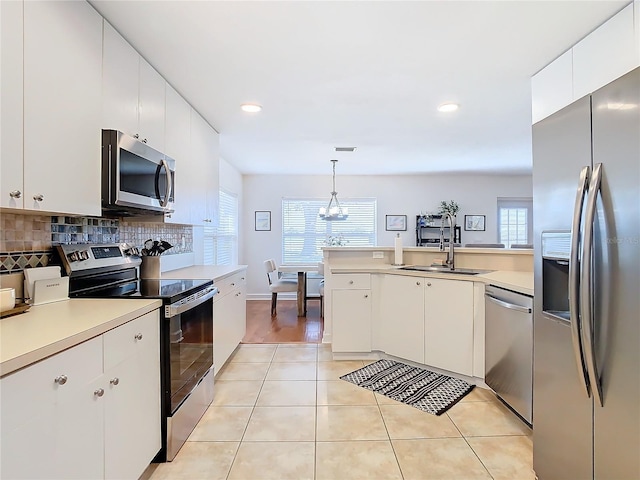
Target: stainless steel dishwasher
pixel 509 348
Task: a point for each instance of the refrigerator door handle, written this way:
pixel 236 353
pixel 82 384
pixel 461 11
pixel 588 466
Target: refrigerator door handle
pixel 574 281
pixel 586 289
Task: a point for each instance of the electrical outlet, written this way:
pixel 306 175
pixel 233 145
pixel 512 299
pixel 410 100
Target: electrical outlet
pixel 378 254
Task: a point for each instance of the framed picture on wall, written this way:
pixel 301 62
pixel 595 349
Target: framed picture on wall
pixel 474 223
pixel 263 221
pixel 396 222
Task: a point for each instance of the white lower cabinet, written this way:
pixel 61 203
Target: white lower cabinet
pixel 402 317
pixel 66 417
pixel 351 313
pixel 448 331
pixel 229 317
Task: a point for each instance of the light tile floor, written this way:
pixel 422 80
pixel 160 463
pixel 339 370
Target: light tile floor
pixel 281 412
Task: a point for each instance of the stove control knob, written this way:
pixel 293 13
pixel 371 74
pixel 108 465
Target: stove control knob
pixel 83 255
pixel 73 256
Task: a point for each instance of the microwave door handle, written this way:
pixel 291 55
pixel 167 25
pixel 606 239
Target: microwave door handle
pixel 168 185
pixel 574 281
pixel 586 287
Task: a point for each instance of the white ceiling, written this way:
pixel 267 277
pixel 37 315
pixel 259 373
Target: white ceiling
pixel 360 73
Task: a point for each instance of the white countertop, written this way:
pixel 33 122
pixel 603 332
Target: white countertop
pixel 517 281
pixel 204 272
pixel 45 330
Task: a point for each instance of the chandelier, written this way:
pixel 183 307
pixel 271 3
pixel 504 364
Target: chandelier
pixel 334 211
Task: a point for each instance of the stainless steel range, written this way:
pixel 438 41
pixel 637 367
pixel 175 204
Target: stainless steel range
pixel 186 329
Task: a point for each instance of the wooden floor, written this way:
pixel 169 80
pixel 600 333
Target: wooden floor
pixel 286 326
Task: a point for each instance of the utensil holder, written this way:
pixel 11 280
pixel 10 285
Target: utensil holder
pixel 150 267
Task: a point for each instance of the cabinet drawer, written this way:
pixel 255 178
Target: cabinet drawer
pixel 230 283
pixel 126 340
pixel 33 390
pixel 355 281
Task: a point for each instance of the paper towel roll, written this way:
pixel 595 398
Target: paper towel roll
pixel 398 250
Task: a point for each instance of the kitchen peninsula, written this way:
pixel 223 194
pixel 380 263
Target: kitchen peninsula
pixel 431 318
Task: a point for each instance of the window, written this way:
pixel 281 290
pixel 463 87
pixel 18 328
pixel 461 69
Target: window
pixel 221 243
pixel 515 221
pixel 304 233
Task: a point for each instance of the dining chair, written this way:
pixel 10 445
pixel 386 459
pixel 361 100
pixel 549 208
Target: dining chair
pixel 277 283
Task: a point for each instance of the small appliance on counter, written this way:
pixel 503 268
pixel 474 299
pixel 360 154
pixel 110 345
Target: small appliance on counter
pixel 186 329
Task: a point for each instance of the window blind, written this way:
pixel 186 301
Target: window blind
pixel 227 235
pixel 221 242
pixel 304 233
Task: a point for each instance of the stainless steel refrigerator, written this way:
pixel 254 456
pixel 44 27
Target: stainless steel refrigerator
pixel 586 193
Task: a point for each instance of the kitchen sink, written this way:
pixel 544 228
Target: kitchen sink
pixel 443 269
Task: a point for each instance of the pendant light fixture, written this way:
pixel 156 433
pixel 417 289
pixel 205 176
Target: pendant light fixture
pixel 334 211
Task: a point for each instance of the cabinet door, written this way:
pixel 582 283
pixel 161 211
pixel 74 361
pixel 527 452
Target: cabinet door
pixel 132 397
pixel 222 330
pixel 240 311
pixel 198 171
pixel 351 315
pixel 120 85
pixel 177 132
pixel 448 336
pixel 54 430
pixel 11 93
pixel 62 107
pixel 402 317
pixel 151 106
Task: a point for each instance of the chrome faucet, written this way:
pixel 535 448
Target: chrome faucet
pixel 451 252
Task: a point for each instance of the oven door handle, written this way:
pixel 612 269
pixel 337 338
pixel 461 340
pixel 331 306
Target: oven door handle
pixel 182 306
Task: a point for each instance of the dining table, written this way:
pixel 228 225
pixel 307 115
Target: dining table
pixel 301 270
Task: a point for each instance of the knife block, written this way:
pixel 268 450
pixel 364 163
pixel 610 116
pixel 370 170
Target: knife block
pixel 150 267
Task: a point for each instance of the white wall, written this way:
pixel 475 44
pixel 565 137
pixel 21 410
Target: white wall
pixel 396 195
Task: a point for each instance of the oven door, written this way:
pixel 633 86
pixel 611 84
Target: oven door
pixel 190 336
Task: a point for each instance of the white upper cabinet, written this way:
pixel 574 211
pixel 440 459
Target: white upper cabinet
pixel 120 83
pixel 202 172
pixel 177 146
pixel 11 153
pixel 62 107
pixel 552 87
pixel 151 106
pixel 133 92
pixel 605 54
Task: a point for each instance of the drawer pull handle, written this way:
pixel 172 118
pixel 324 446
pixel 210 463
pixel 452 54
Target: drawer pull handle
pixel 38 197
pixel 233 284
pixel 350 282
pixel 429 284
pixel 417 283
pixel 15 194
pixel 138 336
pixel 61 380
pixel 99 392
pixel 366 296
pixel 115 381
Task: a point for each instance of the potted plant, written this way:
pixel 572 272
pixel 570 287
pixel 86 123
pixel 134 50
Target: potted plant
pixel 450 207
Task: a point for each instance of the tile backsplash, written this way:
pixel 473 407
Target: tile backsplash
pixel 28 240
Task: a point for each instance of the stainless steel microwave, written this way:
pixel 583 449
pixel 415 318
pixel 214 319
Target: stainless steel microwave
pixel 136 179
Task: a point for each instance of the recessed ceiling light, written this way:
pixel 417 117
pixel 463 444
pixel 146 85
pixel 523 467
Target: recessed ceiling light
pixel 345 149
pixel 251 107
pixel 448 107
